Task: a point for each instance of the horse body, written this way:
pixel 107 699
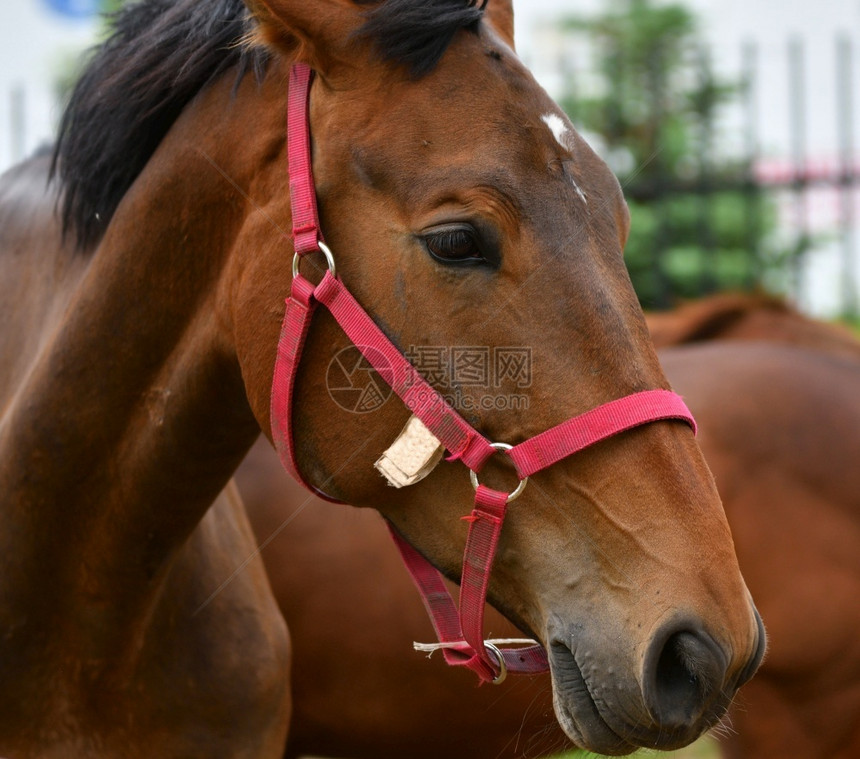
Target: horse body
pixel 779 427
pixel 778 424
pixel 141 376
pixel 741 316
pixel 792 502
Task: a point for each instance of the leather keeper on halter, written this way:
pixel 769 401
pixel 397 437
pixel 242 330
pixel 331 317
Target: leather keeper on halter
pixel 460 630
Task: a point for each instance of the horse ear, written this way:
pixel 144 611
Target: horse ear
pixel 500 14
pixel 317 33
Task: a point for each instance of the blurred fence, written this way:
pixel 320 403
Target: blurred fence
pixel 738 213
pixel 811 201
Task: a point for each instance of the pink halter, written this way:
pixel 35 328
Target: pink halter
pixel 460 632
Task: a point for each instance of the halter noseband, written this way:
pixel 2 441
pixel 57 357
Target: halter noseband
pixel 460 631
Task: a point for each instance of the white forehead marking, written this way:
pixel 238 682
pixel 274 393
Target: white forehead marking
pixel 563 137
pixel 558 128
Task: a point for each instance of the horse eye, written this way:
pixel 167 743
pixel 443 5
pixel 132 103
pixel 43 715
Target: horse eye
pixel 453 245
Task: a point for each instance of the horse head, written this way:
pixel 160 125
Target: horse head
pixel 485 238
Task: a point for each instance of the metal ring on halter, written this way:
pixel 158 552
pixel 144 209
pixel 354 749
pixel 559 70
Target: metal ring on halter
pixel 503 667
pixel 329 259
pixel 518 490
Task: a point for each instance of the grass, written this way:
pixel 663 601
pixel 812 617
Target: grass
pixel 704 748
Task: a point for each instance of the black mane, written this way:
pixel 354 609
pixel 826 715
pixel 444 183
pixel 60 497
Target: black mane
pixel 417 34
pixel 161 53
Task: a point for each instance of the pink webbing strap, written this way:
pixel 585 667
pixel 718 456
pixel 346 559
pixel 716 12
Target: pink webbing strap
pixel 461 633
pixel 294 330
pixel 461 440
pixel 485 528
pixel 301 304
pixel 461 630
pixel 303 198
pixel 581 431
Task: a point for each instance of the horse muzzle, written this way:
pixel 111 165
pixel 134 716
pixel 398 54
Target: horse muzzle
pixel 679 688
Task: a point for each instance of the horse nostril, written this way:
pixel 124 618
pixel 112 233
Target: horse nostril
pixel 683 669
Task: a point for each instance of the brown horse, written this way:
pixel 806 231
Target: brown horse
pixel 779 428
pixel 740 316
pixel 140 327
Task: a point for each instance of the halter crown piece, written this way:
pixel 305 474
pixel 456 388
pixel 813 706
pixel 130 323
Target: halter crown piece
pixel 460 631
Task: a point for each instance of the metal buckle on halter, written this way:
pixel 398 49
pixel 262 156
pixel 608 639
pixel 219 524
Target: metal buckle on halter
pixel 503 667
pixel 329 259
pixel 518 490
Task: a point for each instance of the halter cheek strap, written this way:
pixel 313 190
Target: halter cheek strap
pixel 460 630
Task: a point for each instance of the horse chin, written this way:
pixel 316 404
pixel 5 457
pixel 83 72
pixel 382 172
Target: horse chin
pixel 588 714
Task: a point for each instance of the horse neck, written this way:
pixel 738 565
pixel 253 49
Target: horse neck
pixel 133 413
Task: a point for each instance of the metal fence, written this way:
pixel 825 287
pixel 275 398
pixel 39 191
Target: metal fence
pixel 741 215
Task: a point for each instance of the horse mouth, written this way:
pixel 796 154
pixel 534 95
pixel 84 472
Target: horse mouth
pixel 600 718
pixel 576 709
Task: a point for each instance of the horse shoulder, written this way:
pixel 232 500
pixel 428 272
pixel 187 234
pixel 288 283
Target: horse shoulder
pixel 216 629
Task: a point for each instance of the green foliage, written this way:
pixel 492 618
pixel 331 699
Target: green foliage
pixel 704 748
pixel 643 104
pixel 698 223
pixel 112 6
pixel 70 64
